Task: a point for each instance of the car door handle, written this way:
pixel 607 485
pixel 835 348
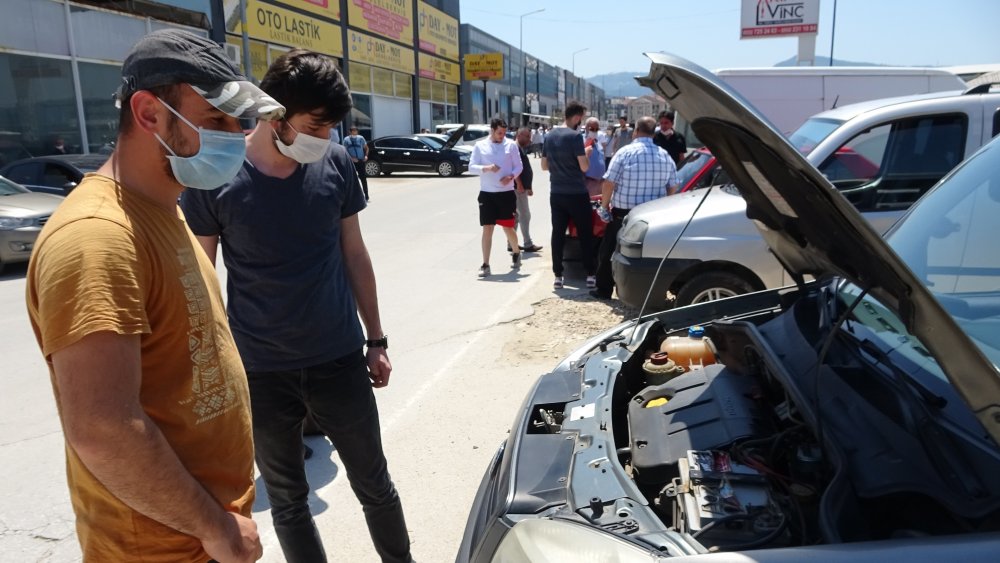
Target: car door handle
pixel 381 152
pixel 406 154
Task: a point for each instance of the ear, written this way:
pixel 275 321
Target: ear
pixel 148 113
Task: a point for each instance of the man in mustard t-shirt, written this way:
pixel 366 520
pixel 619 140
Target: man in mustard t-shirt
pixel 128 313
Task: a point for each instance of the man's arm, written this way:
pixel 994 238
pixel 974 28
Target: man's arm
pixel 210 244
pixel 365 147
pixel 607 189
pixel 358 265
pixel 478 163
pixel 584 162
pixel 98 380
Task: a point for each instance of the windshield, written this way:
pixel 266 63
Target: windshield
pixel 691 166
pixel 811 133
pixel 435 142
pixel 949 241
pixel 10 188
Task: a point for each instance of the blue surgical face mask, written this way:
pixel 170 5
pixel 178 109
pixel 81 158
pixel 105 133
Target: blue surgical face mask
pixel 219 158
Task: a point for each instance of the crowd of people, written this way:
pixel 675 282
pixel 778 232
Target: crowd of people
pixel 166 394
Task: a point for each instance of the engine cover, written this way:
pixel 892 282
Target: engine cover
pixel 705 409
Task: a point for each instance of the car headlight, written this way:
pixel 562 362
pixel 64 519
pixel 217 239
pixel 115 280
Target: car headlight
pixel 631 237
pixel 551 541
pixel 464 157
pixel 11 223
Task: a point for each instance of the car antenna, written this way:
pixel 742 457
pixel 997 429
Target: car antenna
pixel 659 266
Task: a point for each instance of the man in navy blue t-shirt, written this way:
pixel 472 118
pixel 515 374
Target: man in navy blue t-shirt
pixel 299 276
pixel 566 159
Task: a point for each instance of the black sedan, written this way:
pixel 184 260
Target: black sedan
pixel 418 153
pixel 56 174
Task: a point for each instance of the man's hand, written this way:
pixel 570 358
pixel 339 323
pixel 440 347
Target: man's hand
pixel 379 367
pixel 492 168
pixel 237 541
pixel 529 192
pixel 506 180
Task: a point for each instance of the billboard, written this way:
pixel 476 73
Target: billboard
pixel 270 23
pixel 388 18
pixel 439 69
pixel 484 66
pixel 776 18
pixel 371 50
pixel 438 32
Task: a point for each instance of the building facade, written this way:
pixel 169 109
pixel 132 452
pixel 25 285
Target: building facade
pixel 530 91
pixel 646 105
pixel 60 60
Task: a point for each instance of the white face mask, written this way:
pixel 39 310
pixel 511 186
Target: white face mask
pixel 591 134
pixel 304 148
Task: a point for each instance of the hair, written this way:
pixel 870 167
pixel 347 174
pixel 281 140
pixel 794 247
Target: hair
pixel 574 108
pixel 667 114
pixel 524 130
pixel 170 94
pixel 308 82
pixel 498 122
pixel 645 126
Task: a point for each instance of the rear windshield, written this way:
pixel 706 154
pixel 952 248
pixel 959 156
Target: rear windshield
pixel 811 133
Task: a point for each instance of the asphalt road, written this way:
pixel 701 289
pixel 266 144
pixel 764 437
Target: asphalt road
pixel 449 404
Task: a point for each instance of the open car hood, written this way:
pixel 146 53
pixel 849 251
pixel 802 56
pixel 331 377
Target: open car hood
pixel 812 229
pixel 455 137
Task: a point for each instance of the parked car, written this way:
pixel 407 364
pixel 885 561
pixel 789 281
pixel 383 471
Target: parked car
pixel 56 174
pixel 22 216
pixel 881 155
pixel 418 153
pixel 853 417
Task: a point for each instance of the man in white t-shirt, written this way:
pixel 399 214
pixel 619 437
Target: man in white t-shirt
pixel 497 162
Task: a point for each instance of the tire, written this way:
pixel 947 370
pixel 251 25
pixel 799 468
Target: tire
pixel 712 286
pixel 372 168
pixel 446 168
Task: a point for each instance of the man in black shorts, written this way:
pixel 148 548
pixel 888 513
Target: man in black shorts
pixel 497 161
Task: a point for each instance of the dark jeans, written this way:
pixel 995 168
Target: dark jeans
pixel 339 394
pixel 605 280
pixel 363 176
pixel 576 207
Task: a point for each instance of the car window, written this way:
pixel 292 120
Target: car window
pixel 432 142
pixel 411 144
pixel 691 166
pixel 474 135
pixel 948 242
pixel 57 176
pixel 810 133
pixel 26 173
pixel 887 168
pixel 392 143
pixel 996 123
pixel 10 188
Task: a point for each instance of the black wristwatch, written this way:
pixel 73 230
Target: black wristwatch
pixel 378 343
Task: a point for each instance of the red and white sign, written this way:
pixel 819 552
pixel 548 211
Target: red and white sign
pixel 775 18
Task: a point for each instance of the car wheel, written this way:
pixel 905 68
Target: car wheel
pixel 446 169
pixel 372 168
pixel 712 286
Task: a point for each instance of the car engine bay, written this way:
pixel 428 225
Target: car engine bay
pixel 770 431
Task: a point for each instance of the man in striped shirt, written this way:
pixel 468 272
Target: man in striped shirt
pixel 639 172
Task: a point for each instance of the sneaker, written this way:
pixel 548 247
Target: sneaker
pixel 558 284
pixel 515 260
pixel 591 281
pixel 484 270
pixel 598 295
pixel 531 248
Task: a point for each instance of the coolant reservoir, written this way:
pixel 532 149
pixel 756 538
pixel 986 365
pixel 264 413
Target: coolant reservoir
pixel 694 351
pixel 660 368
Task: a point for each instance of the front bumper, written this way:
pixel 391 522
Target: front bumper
pixel 16 245
pixel 634 276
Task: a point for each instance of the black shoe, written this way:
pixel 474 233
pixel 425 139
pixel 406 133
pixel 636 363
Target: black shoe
pixel 598 295
pixel 515 260
pixel 531 248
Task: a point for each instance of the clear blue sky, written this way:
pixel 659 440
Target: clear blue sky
pixel 617 32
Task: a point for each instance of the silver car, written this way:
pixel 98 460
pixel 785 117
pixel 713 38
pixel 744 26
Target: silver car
pixel 881 155
pixel 22 215
pixel 853 417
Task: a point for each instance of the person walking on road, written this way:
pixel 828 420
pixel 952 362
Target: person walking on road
pixel 566 160
pixel 535 146
pixel 640 172
pixel 299 277
pixel 497 161
pixel 129 315
pixel 357 149
pixel 524 191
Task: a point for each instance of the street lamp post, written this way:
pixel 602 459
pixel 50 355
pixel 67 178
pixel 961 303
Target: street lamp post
pixel 574 58
pixel 524 74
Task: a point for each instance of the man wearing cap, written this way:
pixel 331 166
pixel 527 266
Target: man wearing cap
pixel 127 310
pixel 299 277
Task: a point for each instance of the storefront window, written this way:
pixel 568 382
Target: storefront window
pixel 103 35
pixel 37 106
pixel 28 26
pixel 97 82
pixel 451 93
pixel 425 89
pixel 360 78
pixel 361 114
pixel 404 85
pixel 382 82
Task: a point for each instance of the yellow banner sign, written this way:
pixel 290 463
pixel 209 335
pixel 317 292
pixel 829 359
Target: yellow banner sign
pixel 484 66
pixel 388 18
pixel 272 24
pixel 439 69
pixel 438 32
pixel 370 50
